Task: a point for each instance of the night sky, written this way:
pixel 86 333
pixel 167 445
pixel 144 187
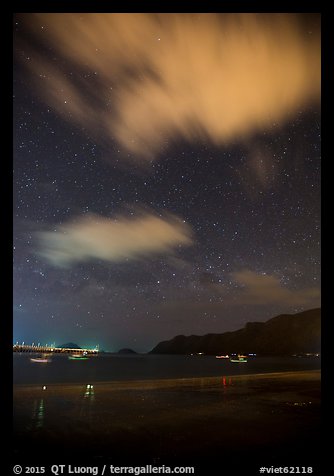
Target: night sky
pixel 166 174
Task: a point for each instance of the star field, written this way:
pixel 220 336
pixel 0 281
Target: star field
pixel 239 220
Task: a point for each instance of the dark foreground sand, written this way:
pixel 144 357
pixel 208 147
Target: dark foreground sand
pixel 237 423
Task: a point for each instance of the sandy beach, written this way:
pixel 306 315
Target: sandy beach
pixel 237 421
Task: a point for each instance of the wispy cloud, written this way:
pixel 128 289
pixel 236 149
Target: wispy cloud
pixel 144 78
pixel 115 240
pixel 267 289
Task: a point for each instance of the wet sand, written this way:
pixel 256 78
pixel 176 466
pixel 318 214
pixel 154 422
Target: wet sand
pixel 234 421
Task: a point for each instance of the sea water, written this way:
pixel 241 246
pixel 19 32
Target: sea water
pixel 114 367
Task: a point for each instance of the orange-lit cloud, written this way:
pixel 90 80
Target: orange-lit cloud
pixel 267 289
pixel 164 76
pixel 114 240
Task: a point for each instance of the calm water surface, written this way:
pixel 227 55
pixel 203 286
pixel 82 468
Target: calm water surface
pixel 108 367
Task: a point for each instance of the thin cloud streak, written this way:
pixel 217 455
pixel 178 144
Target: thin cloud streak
pixel 267 289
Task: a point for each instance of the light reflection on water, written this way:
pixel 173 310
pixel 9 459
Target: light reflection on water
pixel 89 393
pixel 226 381
pixel 84 409
pixel 86 403
pixel 38 414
